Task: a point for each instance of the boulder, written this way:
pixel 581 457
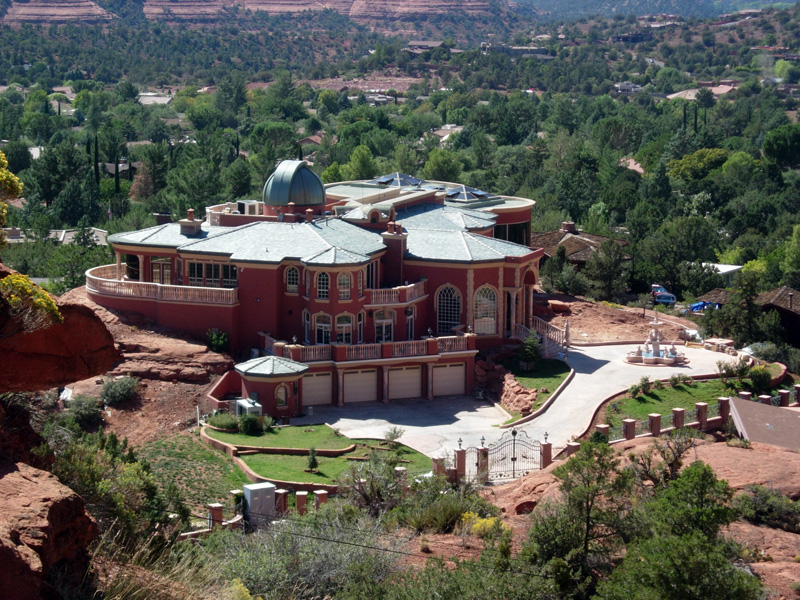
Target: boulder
pixel 558 306
pixel 43 524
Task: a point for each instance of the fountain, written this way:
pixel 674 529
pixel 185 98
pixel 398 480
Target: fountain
pixel 653 353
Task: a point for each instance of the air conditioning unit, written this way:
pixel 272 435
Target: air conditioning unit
pixel 260 502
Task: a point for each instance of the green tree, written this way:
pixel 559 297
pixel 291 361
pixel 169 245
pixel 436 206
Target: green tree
pixel 237 178
pixel 782 146
pixel 442 165
pixel 791 261
pixel 360 166
pixel 607 271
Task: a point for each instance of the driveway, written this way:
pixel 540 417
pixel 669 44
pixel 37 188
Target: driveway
pixel 434 428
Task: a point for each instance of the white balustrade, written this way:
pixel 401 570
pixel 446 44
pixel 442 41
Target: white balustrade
pixel 364 352
pixel 452 344
pixel 415 348
pixel 312 353
pixel 390 296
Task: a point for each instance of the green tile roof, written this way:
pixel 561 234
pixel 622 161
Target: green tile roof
pixel 271 366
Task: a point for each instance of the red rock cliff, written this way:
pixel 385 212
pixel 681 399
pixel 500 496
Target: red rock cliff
pixel 78 348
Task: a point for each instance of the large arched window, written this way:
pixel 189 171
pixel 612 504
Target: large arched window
pixel 343 283
pixel 323 285
pixel 448 310
pixel 344 329
pixel 281 394
pixel 322 325
pixel 292 279
pixel 486 311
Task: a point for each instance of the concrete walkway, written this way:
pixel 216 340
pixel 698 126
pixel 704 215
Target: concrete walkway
pixel 600 371
pixel 434 428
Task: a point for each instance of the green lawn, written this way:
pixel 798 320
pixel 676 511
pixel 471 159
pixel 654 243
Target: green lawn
pixel 318 436
pixel 664 400
pixel 292 468
pixel 548 373
pixel 201 473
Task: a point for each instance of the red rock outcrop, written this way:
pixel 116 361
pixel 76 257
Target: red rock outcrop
pixel 78 348
pixel 42 524
pixel 55 11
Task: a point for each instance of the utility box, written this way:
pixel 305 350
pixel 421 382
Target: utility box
pixel 260 503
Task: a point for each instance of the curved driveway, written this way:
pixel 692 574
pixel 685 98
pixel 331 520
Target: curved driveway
pixel 435 427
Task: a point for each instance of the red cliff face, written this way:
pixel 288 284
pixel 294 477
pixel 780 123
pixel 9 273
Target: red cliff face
pixel 76 349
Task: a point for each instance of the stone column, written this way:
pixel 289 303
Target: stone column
pixel 302 503
pixel 483 465
pixel 281 501
pixel 678 416
pixel 529 312
pixel 573 447
pixel 119 265
pixel 547 454
pixel 142 275
pixel 438 466
pixel 629 428
pixel 724 409
pixel 385 371
pixel 654 424
pixel 765 399
pixel 514 297
pixel 745 395
pixel 461 463
pixel 604 429
pixel 320 498
pixel 214 515
pixel 340 388
pixel 786 396
pixel 702 414
pixel 430 381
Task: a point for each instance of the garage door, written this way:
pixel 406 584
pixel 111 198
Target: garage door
pixel 405 382
pixel 361 386
pixel 317 389
pixel 448 380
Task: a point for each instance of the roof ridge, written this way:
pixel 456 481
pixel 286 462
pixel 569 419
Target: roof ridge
pixel 476 237
pixel 466 246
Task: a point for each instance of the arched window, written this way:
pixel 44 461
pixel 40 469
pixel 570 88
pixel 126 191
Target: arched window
pixel 343 283
pixel 383 326
pixel 281 393
pixel 292 279
pixel 448 310
pixel 322 325
pixel 485 311
pixel 323 284
pixel 344 329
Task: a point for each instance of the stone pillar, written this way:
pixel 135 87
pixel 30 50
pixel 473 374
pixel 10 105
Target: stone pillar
pixel 745 395
pixel 214 515
pixel 797 393
pixel 654 424
pixel 678 417
pixel 529 312
pixel 281 502
pixel 629 428
pixel 320 498
pixel 573 447
pixel 547 454
pixel 702 414
pixel 461 463
pixel 438 467
pixel 765 399
pixel 340 388
pixel 604 429
pixel 385 371
pixel 483 465
pixel 143 276
pixel 302 502
pixel 786 397
pixel 514 298
pixel 430 381
pixel 724 409
pixel 119 265
pixel 452 475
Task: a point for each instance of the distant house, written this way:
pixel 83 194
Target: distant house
pixel 783 301
pixel 727 271
pixel 579 246
pixel 15 235
pixel 719 296
pixel 627 88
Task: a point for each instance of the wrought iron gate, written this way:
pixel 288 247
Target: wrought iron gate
pixel 512 456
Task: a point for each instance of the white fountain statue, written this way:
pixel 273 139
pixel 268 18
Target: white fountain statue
pixel 653 354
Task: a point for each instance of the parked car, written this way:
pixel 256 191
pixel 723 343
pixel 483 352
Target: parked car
pixel 661 295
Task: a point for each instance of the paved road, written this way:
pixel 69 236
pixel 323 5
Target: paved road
pixel 435 427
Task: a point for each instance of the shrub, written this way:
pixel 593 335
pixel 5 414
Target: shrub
pixel 658 384
pixel 249 425
pixel 531 349
pixel 761 505
pixel 675 380
pixel 484 528
pixel 759 380
pixel 634 390
pixel 85 410
pixel 766 351
pixel 313 463
pixel 119 391
pixel 393 434
pixel 645 384
pixel 217 340
pixel 224 420
pixel 267 423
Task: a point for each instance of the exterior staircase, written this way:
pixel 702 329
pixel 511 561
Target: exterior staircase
pixel 555 341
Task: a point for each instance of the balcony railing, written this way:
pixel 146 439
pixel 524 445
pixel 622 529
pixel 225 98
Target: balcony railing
pixel 102 280
pixel 364 352
pixel 453 344
pixel 397 295
pixel 415 348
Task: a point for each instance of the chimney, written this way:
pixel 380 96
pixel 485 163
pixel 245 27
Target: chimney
pixel 568 226
pixel 390 227
pixel 396 241
pixel 309 215
pixel 190 225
